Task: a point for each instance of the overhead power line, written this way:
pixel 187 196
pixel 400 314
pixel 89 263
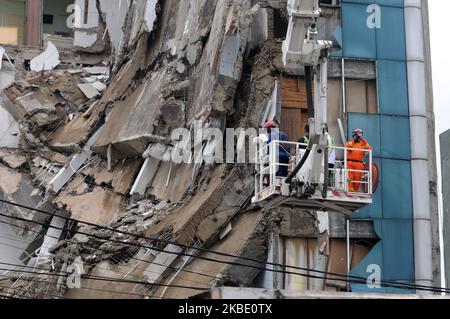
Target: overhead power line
pixel 108 279
pixel 350 279
pixel 168 242
pixel 83 288
pixel 108 252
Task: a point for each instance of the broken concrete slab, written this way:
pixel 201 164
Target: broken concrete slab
pixel 155 272
pixel 145 177
pixel 89 90
pixel 213 225
pixel 78 186
pixel 121 177
pixel 97 70
pixel 13 159
pixel 48 60
pixel 238 242
pixel 156 151
pixel 131 124
pixel 218 194
pixel 29 100
pixel 18 188
pixel 99 86
pixel 68 137
pixel 171 181
pixel 10 180
pixel 98 207
pixel 115 19
pixel 89 79
pixel 65 175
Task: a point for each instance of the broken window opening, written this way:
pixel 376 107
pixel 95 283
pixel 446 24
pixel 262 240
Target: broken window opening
pixel 361 88
pixel 327 3
pixel 86 12
pixel 35 23
pixel 280 24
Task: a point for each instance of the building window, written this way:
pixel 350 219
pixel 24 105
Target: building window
pixel 329 2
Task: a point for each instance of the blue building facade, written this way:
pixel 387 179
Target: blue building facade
pixel 388 131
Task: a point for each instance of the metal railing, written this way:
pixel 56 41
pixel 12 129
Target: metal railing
pixel 268 180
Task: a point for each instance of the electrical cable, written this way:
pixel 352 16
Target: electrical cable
pixel 82 288
pixel 358 279
pixel 27 291
pixel 109 279
pixel 168 242
pixel 133 258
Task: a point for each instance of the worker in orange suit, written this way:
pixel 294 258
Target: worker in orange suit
pixel 355 159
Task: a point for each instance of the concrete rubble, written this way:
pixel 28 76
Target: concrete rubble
pixel 95 144
pixel 46 61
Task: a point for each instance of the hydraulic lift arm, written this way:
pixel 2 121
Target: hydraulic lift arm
pixel 312 183
pixel 303 49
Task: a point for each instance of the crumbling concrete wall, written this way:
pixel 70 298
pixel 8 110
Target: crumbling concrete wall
pixel 177 62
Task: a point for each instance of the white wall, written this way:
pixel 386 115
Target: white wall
pixel 9 129
pixel 12 245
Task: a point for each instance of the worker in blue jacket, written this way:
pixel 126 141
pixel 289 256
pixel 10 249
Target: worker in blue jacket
pixel 284 150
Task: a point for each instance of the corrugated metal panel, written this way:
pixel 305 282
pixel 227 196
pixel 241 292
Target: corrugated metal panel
pixel 337 263
pixel 374 211
pixel 395 137
pixel 398 250
pixel 359 41
pixel 375 257
pixel 304 253
pixel 296 255
pixel 397 192
pixel 392 3
pixel 393 88
pixel 391 42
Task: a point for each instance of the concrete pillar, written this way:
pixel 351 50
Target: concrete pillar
pixel 33 22
pixel 415 51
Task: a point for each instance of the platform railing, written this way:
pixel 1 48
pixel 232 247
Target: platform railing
pixel 268 180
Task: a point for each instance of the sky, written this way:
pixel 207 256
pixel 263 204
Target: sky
pixel 439 16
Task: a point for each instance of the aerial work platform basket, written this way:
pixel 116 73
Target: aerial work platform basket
pixel 332 192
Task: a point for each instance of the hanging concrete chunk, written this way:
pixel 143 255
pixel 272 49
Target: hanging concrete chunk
pixel 46 61
pixel 145 177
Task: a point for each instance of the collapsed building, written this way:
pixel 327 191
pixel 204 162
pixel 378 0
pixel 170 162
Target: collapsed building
pixel 87 143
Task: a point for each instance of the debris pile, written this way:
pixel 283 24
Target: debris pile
pixel 95 145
